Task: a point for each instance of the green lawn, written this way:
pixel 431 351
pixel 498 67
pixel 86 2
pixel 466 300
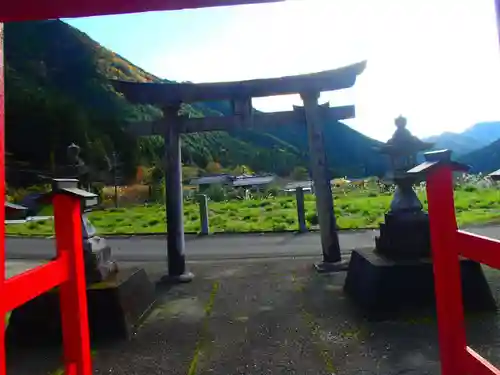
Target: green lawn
pixel 353 210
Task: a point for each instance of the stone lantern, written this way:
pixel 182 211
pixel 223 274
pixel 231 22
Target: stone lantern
pixel 73 151
pixel 397 278
pixel 405 232
pixel 77 167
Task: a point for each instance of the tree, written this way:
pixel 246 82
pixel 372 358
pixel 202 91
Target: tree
pixel 299 174
pixel 213 167
pixel 189 172
pixel 241 169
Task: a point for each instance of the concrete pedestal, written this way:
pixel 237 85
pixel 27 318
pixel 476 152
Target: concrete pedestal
pixel 404 235
pixel 385 288
pixel 116 307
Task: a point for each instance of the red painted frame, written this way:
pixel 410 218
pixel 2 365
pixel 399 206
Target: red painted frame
pixel 28 10
pixel 67 272
pixel 448 244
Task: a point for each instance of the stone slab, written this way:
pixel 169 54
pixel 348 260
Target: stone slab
pixel 116 307
pixel 384 288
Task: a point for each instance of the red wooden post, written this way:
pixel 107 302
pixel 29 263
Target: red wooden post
pixel 73 294
pixel 2 211
pixel 446 265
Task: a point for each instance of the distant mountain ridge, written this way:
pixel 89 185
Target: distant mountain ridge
pixel 484 160
pixel 460 144
pixel 474 138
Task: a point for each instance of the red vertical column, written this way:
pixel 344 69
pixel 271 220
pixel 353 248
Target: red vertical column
pixel 2 211
pixel 446 265
pixel 73 294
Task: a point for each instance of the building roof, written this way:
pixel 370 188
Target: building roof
pixel 253 180
pixel 30 10
pixel 209 180
pixel 13 206
pixel 296 184
pixel 244 180
pixel 495 175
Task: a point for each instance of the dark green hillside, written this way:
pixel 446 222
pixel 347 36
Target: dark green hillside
pixel 484 160
pixel 58 92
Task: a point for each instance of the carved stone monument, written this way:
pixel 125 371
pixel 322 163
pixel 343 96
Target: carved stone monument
pixel 405 232
pixel 77 167
pixel 97 253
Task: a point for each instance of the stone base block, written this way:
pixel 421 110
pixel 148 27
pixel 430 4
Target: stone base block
pixel 404 235
pixel 385 288
pixel 116 307
pixel 99 265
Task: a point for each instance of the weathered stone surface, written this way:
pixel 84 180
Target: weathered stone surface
pixel 97 258
pixel 384 288
pixel 404 235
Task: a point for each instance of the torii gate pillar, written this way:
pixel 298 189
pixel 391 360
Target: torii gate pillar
pixel 324 199
pixel 174 198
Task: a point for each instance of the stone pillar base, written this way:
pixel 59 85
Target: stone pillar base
pixel 116 308
pixel 386 288
pixel 327 267
pixel 186 277
pixel 404 235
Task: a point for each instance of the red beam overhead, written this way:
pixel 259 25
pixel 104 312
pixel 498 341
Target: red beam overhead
pixel 30 10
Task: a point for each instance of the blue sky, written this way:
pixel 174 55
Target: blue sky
pixel 435 61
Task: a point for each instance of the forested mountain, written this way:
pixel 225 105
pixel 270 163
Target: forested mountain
pixel 484 160
pixel 485 132
pixel 58 92
pixel 474 138
pixel 477 146
pixel 460 144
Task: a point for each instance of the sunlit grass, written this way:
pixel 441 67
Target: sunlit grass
pixel 354 210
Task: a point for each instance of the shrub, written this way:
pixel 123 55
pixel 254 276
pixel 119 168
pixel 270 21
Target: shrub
pixel 470 188
pixel 216 193
pixel 312 218
pixel 272 190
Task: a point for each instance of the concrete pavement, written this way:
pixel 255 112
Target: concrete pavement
pixel 218 246
pixel 268 316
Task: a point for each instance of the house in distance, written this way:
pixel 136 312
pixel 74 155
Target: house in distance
pixel 246 182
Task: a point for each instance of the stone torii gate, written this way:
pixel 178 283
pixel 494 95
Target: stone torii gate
pixel 169 97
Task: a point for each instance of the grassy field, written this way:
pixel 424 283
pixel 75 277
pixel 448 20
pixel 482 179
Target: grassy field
pixel 354 210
